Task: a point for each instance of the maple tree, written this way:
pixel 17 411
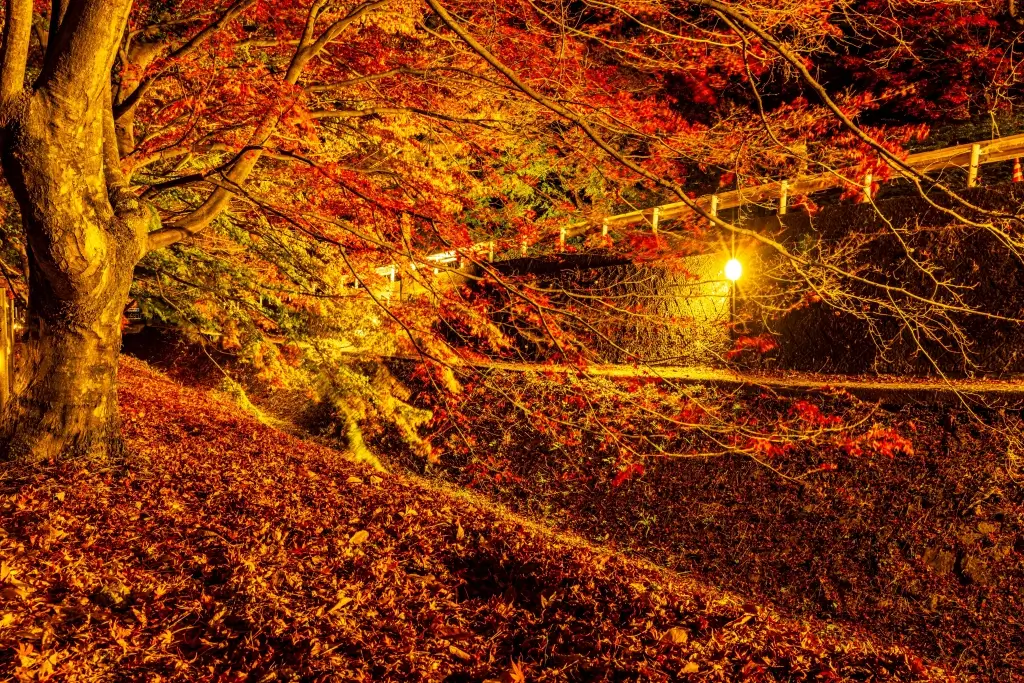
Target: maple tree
pixel 257 167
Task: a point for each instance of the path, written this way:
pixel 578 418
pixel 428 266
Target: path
pixel 887 389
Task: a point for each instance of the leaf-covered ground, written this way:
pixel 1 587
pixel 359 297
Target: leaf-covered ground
pixel 228 551
pixel 921 546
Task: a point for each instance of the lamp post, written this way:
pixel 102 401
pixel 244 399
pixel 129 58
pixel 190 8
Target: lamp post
pixel 733 272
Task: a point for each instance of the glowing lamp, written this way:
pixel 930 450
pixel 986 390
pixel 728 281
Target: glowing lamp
pixel 733 270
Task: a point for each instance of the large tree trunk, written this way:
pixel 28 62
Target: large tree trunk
pixel 66 402
pixel 83 247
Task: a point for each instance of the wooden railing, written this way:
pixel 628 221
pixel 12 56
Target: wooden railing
pixel 970 156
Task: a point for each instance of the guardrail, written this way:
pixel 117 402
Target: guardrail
pixel 970 156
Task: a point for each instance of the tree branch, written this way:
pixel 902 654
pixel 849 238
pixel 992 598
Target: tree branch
pixel 384 111
pixel 112 171
pixel 133 98
pixel 741 19
pixel 307 49
pixel 341 85
pixel 39 30
pixel 14 54
pixel 593 134
pixel 76 69
pixel 57 10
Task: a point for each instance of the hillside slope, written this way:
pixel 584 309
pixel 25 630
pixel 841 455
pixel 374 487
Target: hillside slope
pixel 228 551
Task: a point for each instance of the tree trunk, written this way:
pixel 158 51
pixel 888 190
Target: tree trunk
pixel 65 403
pixel 83 247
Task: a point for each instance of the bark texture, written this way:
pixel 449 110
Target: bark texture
pixel 83 246
pixel 85 233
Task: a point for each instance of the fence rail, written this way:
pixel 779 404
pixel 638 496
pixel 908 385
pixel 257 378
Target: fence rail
pixel 970 156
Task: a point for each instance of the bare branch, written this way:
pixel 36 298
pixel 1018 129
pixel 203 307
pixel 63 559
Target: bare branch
pixel 133 98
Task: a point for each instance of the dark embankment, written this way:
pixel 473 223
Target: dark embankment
pixel 925 549
pixel 679 311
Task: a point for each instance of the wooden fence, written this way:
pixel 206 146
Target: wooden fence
pixel 970 156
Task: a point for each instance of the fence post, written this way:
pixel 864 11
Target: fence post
pixel 783 197
pixel 972 172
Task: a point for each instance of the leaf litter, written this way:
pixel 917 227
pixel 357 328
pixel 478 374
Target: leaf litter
pixel 229 551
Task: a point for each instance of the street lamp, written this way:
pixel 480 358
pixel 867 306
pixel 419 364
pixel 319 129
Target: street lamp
pixel 733 272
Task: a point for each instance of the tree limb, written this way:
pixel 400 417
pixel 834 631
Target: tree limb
pixel 39 30
pixel 384 111
pixel 112 171
pixel 308 50
pixel 57 10
pixel 76 69
pixel 596 137
pixel 794 60
pixel 218 200
pixel 14 54
pixel 132 99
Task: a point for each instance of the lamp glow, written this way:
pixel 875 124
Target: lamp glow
pixel 733 270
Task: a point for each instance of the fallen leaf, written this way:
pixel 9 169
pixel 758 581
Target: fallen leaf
pixel 676 636
pixel 461 654
pixel 10 593
pixel 338 605
pixel 359 537
pixel 741 621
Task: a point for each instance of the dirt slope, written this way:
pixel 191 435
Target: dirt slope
pixel 228 551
